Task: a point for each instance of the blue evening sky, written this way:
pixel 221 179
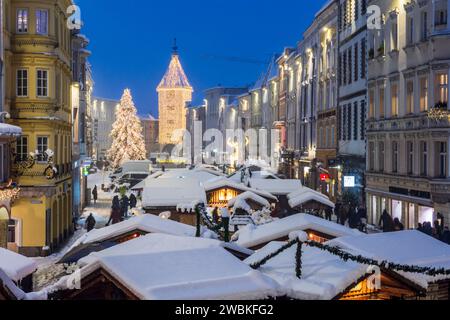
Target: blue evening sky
pixel 131 41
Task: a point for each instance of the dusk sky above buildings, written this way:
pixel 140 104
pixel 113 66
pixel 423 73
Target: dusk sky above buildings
pixel 221 42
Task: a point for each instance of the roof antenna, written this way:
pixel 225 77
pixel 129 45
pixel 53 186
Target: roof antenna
pixel 175 47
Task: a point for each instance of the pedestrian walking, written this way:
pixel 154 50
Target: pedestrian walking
pixel 115 211
pixel 124 205
pixel 95 194
pixel 386 222
pixel 328 213
pixel 133 201
pixel 90 223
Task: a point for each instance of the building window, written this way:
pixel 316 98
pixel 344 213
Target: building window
pixel 356 63
pixel 42 21
pixel 371 156
pixel 12 226
pixel 410 156
pixel 42 83
pixel 344 69
pixel 349 124
pixel 442 88
pixel 363 58
pixel 410 96
pixel 410 31
pixel 441 17
pixel 442 147
pixel 349 65
pixel 363 117
pixel 394 99
pixel 333 134
pixel 372 103
pixel 42 147
pixel 382 98
pixel 424 26
pixel 381 158
pixel 22 20
pixel 321 137
pixel 394 36
pixel 394 157
pixel 423 94
pixel 424 158
pixel 22 149
pixel 22 82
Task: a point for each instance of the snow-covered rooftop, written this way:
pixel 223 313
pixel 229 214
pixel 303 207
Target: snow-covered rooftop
pixel 404 247
pixel 146 223
pixel 324 276
pixel 248 195
pixel 171 192
pixel 15 265
pixel 163 267
pixel 276 187
pixel 9 130
pixel 227 183
pixel 306 195
pixel 252 236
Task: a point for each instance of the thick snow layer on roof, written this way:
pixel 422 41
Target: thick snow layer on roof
pixel 7 283
pixel 308 196
pixel 171 192
pixel 252 236
pixel 159 242
pixel 324 276
pixel 147 223
pixel 276 187
pixel 248 195
pixel 9 130
pixel 303 190
pixel 404 247
pixel 162 267
pixel 15 265
pixel 227 183
pixel 201 175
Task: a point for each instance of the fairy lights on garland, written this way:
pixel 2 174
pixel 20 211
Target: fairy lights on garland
pixel 345 256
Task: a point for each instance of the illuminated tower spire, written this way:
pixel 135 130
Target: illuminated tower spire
pixel 174 91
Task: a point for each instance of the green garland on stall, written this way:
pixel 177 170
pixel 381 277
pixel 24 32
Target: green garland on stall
pixel 345 256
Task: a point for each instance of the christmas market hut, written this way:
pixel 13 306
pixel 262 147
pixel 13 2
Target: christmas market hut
pixel 18 268
pixel 307 199
pixel 165 267
pixel 256 237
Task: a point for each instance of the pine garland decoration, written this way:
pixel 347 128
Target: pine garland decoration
pixel 298 260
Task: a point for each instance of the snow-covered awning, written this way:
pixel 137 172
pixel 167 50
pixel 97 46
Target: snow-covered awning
pixel 276 187
pixel 9 130
pixel 248 195
pixel 324 276
pixel 252 236
pixel 171 192
pixel 404 247
pixel 164 267
pixel 227 183
pixel 307 196
pixel 16 266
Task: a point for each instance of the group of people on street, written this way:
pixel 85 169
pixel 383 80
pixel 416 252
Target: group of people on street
pixel 437 230
pixel 389 224
pixel 355 216
pixel 120 207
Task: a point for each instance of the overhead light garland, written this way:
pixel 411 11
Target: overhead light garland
pixel 438 114
pixel 345 256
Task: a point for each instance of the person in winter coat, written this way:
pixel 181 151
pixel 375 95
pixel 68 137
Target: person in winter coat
pixel 362 216
pixel 386 222
pixel 133 201
pixel 95 194
pixel 337 211
pixel 115 212
pixel 446 236
pixel 353 220
pixel 398 226
pixel 344 214
pixel 328 214
pixel 124 205
pixel 90 223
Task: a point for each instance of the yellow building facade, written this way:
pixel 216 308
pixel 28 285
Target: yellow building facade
pixel 38 96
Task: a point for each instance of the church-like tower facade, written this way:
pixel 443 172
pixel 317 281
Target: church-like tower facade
pixel 174 92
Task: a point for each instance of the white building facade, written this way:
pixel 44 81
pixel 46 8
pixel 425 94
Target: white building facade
pixel 409 122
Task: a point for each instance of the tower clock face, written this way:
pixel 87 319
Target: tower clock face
pixel 171 95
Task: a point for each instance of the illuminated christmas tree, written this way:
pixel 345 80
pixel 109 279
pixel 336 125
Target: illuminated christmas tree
pixel 128 141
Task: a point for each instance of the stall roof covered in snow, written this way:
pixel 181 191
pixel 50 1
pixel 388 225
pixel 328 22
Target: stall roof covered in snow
pixel 251 236
pixel 248 195
pixel 324 276
pixel 15 265
pixel 180 268
pixel 146 223
pixel 404 247
pixel 227 183
pixel 171 192
pixel 299 198
pixel 9 130
pixel 276 187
